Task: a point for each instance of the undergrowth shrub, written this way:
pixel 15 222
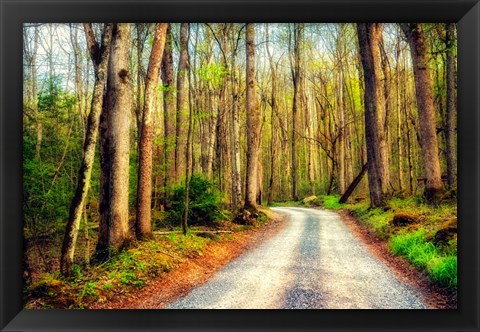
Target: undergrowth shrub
pixel 204 206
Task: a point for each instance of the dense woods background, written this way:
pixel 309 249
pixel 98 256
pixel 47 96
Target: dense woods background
pixel 131 127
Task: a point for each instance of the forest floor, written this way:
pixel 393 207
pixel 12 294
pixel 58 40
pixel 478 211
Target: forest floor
pixel 148 275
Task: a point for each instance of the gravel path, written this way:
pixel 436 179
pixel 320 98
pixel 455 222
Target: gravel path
pixel 314 262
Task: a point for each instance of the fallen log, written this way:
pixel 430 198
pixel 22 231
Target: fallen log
pixel 353 185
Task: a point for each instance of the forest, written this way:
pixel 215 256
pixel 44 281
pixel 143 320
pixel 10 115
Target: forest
pixel 143 143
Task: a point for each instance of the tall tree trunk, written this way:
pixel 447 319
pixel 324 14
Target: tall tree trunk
pixel 181 93
pixel 407 126
pixel 221 146
pixel 143 226
pixel 34 96
pixel 385 82
pixel 253 122
pixel 451 108
pixel 400 143
pixel 369 35
pixel 188 157
pixel 77 59
pixel 273 129
pixel 100 58
pixel 115 147
pixel 426 111
pixel 259 182
pixel 341 136
pixel 341 111
pixel 308 131
pixel 212 134
pixel 141 39
pixel 236 166
pixel 168 113
pixel 298 37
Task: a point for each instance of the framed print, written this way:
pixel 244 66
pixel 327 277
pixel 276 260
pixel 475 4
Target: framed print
pixel 210 175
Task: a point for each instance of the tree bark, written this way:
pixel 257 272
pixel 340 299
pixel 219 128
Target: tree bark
pixel 77 59
pixel 451 108
pixel 259 183
pixel 181 93
pixel 141 74
pixel 426 111
pixel 100 58
pixel 235 136
pixel 168 113
pixel 353 185
pixel 341 136
pixel 253 122
pixel 188 159
pixel 143 226
pixel 115 147
pixel 400 143
pixel 273 129
pixel 298 37
pixel 369 35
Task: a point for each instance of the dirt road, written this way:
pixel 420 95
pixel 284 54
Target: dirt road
pixel 314 262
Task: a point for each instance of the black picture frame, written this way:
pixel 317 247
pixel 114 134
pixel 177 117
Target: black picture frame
pixel 14 13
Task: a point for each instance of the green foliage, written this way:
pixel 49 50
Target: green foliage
pixel 404 203
pixel 191 245
pixel 49 179
pixel 54 100
pixel 414 247
pixel 440 267
pixel 108 286
pixel 204 206
pixel 77 271
pixel 130 278
pixel 89 289
pixel 165 88
pixel 331 202
pixel 213 74
pixel 380 223
pixel 443 270
pixel 377 220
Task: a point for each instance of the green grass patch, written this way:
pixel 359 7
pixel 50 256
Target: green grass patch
pixel 443 270
pixel 379 223
pixel 190 244
pixel 414 247
pixel 331 202
pixel 441 267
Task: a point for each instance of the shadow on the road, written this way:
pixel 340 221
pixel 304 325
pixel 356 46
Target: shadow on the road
pixel 304 292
